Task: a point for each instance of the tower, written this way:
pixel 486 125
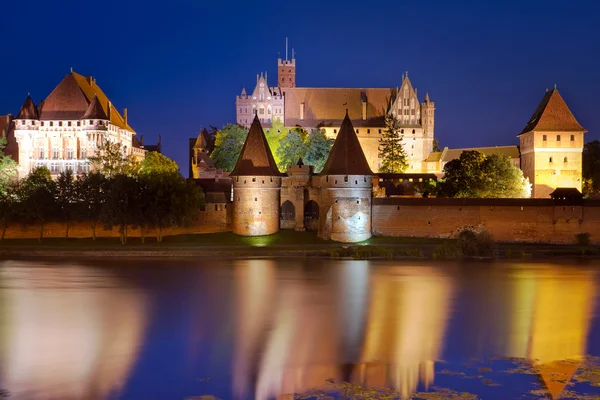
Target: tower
pixel 551 147
pixel 428 117
pixel 27 125
pixel 256 187
pixel 346 185
pixel 286 70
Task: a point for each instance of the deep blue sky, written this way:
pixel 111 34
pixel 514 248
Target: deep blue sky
pixel 178 65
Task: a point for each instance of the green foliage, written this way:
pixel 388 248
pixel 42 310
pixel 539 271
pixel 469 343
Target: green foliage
pixel 583 239
pixel 391 150
pixel 318 147
pixel 445 251
pixel 8 168
pixel 228 145
pixel 475 175
pixel 110 161
pixel 591 167
pixel 156 163
pixel 90 195
pixel 475 244
pixel 66 197
pixel 38 198
pixel 9 207
pixel 436 146
pixel 291 148
pixel 121 207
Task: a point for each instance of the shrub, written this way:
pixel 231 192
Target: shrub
pixel 583 239
pixel 445 251
pixel 409 252
pixel 475 244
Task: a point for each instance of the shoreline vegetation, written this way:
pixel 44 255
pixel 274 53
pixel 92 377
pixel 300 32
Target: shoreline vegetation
pixel 285 244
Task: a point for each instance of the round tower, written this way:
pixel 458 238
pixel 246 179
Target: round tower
pixel 256 187
pixel 346 190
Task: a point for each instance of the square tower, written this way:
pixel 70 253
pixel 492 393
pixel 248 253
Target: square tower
pixel 551 147
pixel 286 73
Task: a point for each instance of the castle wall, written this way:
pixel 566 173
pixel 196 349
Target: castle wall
pixel 510 220
pixel 256 205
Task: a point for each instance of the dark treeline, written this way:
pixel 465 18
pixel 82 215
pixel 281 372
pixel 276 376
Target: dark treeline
pixel 148 201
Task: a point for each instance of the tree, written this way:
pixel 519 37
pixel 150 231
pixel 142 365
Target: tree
pixel 110 160
pixel 391 150
pixel 9 207
pixel 91 189
pixel 591 167
pixel 66 197
pixel 37 196
pixel 292 148
pixel 228 145
pixel 121 205
pixel 156 163
pixel 476 175
pixel 318 147
pixel 8 168
pixel 436 146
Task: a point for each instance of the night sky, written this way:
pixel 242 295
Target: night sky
pixel 178 65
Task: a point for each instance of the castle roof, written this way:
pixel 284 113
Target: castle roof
pixel 346 156
pixel 326 105
pixel 553 114
pixel 507 151
pixel 28 110
pixel 72 98
pixel 95 110
pixel 256 158
pixel 204 140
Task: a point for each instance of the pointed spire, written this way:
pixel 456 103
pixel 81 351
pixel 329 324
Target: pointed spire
pixel 553 114
pixel 346 156
pixel 28 109
pixel 300 162
pixel 244 92
pixel 256 158
pixel 95 110
pixel 427 98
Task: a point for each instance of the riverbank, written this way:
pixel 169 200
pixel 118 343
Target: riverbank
pixel 281 245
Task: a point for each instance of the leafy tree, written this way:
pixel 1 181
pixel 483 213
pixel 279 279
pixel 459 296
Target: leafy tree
pixel 318 147
pixel 110 160
pixel 228 145
pixel 9 207
pixel 479 176
pixel 66 197
pixel 292 148
pixel 91 189
pixel 156 163
pixel 8 168
pixel 391 150
pixel 38 198
pixel 121 205
pixel 275 136
pixel 436 146
pixel 591 167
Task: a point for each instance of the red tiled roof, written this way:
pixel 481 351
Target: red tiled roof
pixel 28 110
pixel 346 156
pixel 95 110
pixel 553 114
pixel 256 158
pixel 326 105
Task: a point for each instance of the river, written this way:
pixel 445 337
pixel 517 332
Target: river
pixel 260 329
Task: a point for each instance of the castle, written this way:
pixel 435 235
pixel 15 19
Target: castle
pixel 66 128
pixel 322 108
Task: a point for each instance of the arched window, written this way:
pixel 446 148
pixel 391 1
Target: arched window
pixel 288 211
pixel 311 210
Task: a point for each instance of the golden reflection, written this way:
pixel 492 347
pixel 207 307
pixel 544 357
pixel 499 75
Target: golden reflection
pixel 67 332
pixel 405 328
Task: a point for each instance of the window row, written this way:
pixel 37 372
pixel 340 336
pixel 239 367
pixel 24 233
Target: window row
pixel 70 153
pixel 545 138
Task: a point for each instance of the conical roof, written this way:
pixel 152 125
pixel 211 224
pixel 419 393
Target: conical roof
pixel 256 158
pixel 28 110
pixel 95 110
pixel 553 114
pixel 346 156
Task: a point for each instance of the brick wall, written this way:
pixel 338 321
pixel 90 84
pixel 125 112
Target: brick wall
pixel 519 220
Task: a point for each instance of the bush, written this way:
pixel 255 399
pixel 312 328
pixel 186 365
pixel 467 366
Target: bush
pixel 475 244
pixel 409 252
pixel 583 239
pixel 446 251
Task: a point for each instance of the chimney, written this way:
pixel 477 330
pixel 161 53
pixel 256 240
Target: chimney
pixel 302 111
pixel 125 115
pixel 364 110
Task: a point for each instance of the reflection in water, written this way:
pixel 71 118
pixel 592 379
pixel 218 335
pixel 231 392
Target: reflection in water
pixel 67 335
pixel 405 328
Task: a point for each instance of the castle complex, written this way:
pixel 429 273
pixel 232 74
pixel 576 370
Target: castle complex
pixel 66 128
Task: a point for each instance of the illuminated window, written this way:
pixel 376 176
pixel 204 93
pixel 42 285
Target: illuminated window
pixel 69 154
pixel 55 153
pixel 42 153
pixel 83 153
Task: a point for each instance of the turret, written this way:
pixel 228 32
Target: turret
pixel 27 120
pixel 427 116
pixel 346 185
pixel 256 187
pixel 286 70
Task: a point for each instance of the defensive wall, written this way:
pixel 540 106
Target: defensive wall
pixel 508 220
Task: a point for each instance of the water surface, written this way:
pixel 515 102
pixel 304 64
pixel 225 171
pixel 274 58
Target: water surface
pixel 260 329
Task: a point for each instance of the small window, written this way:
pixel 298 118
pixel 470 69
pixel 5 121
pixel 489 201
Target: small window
pixel 544 138
pixel 368 131
pixel 566 159
pixel 413 131
pixel 69 123
pixel 253 179
pixel 572 138
pixel 51 123
pixel 558 138
pixel 256 199
pixel 346 179
pixel 335 131
pixel 42 123
pixel 380 131
pixel 550 159
pixel 78 123
pixel 401 130
pixel 91 122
